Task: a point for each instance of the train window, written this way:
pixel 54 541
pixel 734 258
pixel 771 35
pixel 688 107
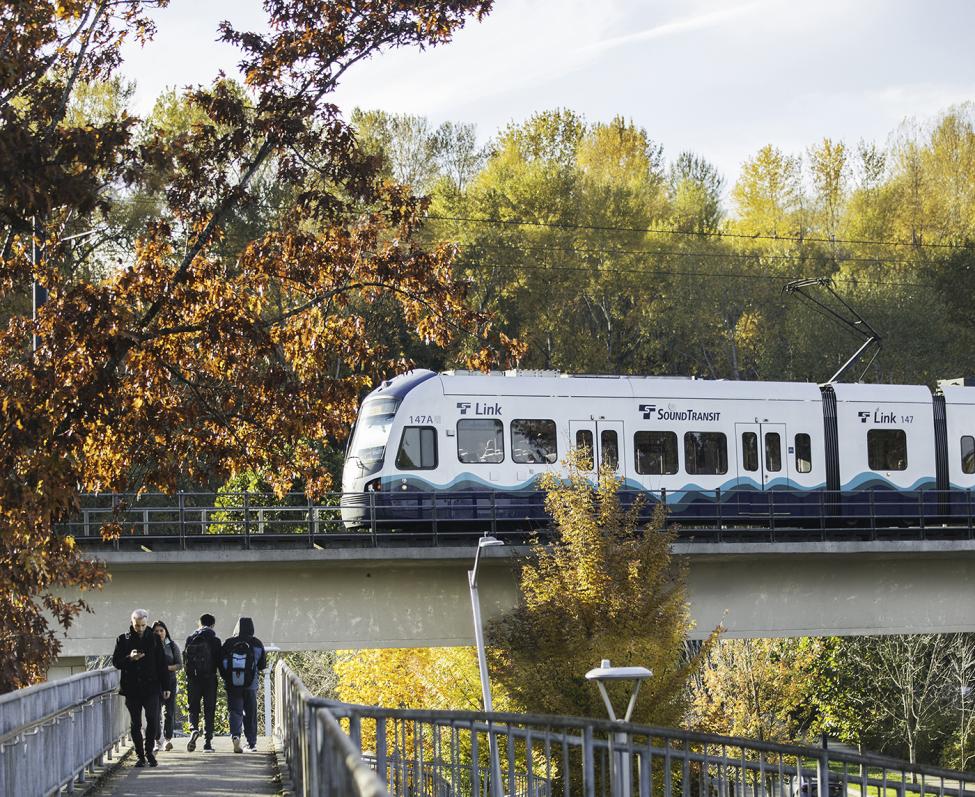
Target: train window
pixel 655 453
pixel 749 450
pixel 417 448
pixel 705 453
pixel 609 449
pixel 584 447
pixel 968 454
pixel 533 441
pixel 887 449
pixel 773 452
pixel 803 453
pixel 480 440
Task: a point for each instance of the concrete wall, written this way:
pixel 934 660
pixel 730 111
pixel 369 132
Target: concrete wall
pixel 66 667
pixel 314 600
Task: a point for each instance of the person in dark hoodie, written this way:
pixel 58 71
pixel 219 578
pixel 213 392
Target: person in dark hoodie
pixel 241 660
pixel 145 676
pixel 201 657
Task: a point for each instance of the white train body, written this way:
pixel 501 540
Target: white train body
pixel 677 439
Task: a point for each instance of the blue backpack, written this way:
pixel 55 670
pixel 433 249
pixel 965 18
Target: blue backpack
pixel 241 664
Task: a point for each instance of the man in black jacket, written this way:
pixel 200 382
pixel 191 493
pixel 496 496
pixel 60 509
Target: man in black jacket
pixel 201 657
pixel 145 676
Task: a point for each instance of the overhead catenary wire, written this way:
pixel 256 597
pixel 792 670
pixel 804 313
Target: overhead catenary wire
pixel 650 270
pixel 587 250
pixel 147 202
pixel 673 253
pixel 797 239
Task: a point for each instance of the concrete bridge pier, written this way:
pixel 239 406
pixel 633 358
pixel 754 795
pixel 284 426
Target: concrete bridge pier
pixel 67 666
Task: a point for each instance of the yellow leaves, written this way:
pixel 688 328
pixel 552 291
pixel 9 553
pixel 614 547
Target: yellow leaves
pixel 605 587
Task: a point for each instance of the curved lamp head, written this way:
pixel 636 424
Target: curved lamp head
pixel 486 541
pixel 606 672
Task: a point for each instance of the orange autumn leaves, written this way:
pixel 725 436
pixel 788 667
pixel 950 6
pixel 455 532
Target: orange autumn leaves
pixel 178 353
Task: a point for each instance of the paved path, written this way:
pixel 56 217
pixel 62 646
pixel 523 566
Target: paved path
pixel 183 774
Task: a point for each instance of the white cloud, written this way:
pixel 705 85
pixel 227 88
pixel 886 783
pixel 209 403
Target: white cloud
pixel 708 19
pixel 522 45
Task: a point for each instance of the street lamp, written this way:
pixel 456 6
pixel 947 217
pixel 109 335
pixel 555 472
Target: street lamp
pixel 604 672
pixel 268 717
pixel 619 759
pixel 486 541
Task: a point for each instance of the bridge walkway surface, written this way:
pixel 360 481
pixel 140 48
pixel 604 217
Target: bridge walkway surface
pixel 181 773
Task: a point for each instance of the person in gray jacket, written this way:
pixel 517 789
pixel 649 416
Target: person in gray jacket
pixel 174 663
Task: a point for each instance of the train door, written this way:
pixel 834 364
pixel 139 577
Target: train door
pixel 762 453
pixel 604 439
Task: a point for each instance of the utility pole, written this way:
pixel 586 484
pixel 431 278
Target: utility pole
pixel 38 291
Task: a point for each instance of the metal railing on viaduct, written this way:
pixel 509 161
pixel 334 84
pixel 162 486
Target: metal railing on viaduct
pixel 340 749
pixel 192 519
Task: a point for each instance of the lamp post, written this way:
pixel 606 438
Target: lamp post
pixel 268 718
pixel 486 541
pixel 619 760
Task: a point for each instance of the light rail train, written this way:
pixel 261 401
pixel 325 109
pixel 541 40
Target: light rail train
pixel 743 448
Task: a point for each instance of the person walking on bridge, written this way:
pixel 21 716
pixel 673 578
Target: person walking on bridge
pixel 241 659
pixel 139 655
pixel 201 657
pixel 174 663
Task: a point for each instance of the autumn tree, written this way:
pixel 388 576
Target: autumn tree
pixel 768 194
pixel 758 688
pixel 191 359
pixel 421 678
pixel 559 255
pixel 607 587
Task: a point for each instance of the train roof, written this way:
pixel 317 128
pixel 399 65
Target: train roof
pixel 555 384
pixel 909 394
pixel 550 384
pixel 958 394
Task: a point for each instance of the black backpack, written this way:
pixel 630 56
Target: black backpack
pixel 240 664
pixel 198 657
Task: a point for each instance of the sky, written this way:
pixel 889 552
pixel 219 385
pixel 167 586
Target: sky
pixel 721 78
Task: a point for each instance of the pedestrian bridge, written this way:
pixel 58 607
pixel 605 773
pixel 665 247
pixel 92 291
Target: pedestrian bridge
pixel 309 598
pixel 58 735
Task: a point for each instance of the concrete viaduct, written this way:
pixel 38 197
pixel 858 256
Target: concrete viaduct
pixel 341 598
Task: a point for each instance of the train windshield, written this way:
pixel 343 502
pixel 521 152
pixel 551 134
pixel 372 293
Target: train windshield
pixel 368 444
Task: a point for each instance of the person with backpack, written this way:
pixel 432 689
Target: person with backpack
pixel 174 663
pixel 145 676
pixel 201 660
pixel 241 659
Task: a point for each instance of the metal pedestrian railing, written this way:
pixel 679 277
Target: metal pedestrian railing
pixel 322 759
pixel 248 519
pixel 447 754
pixel 54 733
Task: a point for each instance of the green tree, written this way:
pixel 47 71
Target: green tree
pixel 695 188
